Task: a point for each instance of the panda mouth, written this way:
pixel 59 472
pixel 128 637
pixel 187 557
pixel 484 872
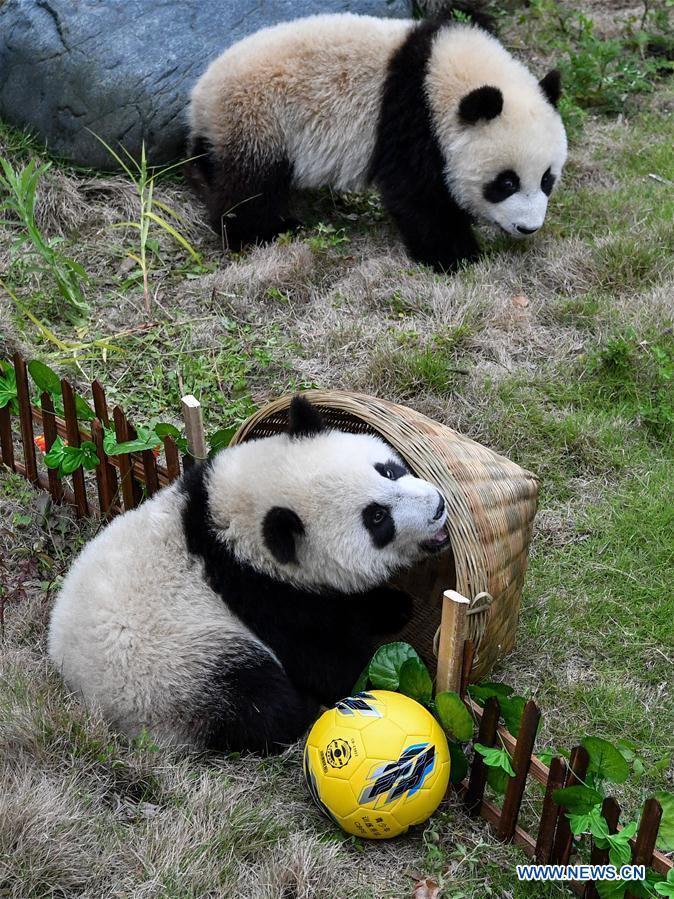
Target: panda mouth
pixel 439 541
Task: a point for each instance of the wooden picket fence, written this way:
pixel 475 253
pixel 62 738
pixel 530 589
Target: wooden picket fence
pixel 121 482
pixel 552 842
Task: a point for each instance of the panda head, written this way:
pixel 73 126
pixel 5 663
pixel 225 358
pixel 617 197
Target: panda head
pixel 501 136
pixel 322 508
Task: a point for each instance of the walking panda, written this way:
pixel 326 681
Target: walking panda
pixel 437 115
pixel 226 610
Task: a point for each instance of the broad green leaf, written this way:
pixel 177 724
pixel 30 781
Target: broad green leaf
pixel 611 889
pixel 221 438
pixel 666 887
pixel 605 760
pixel 454 716
pixel 579 799
pixel 496 758
pixel 83 409
pixel 90 458
pixel 482 692
pixel 73 456
pixel 512 708
pixel 387 662
pixel 619 853
pixel 498 780
pixel 146 440
pixel 666 833
pixel 627 750
pixel 44 377
pixel 55 455
pixel 415 681
pixel 458 762
pixel 164 429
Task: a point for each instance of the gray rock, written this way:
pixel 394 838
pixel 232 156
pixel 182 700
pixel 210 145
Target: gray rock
pixel 124 68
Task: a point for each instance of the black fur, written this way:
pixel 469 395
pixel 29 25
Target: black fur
pixel 391 470
pixel 246 203
pixel 547 182
pixel 407 165
pixel 503 186
pixel 551 85
pixel 322 640
pixel 482 103
pixel 379 523
pixel 280 529
pixel 304 419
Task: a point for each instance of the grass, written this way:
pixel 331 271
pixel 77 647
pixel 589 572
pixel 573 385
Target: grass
pixel 574 382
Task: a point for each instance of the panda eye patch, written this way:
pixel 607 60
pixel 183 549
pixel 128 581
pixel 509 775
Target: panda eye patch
pixel 391 470
pixel 379 523
pixel 547 182
pixel 504 185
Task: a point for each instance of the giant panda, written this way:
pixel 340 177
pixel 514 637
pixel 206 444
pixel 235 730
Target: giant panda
pixel 222 613
pixel 437 115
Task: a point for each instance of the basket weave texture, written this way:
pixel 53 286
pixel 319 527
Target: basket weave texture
pixel 491 503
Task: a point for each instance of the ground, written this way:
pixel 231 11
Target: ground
pixel 558 352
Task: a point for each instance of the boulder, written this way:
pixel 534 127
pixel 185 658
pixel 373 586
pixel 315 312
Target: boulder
pixel 124 68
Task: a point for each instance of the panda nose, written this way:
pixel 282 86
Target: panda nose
pixel 524 230
pixel 440 510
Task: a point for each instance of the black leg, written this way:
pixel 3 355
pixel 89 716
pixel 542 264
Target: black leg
pixel 246 203
pixel 254 707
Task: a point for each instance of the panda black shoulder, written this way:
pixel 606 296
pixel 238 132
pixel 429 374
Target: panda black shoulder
pixel 407 164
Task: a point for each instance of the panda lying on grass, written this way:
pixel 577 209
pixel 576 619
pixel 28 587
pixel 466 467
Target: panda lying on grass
pixel 224 611
pixel 437 115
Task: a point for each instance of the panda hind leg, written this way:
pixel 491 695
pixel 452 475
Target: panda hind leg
pixel 257 708
pixel 246 204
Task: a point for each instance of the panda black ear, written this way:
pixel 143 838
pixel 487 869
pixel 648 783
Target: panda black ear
pixel 304 419
pixel 483 103
pixel 280 529
pixel 551 85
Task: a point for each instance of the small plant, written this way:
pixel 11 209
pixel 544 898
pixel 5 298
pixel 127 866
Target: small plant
pixel 325 237
pixel 144 178
pixel 20 188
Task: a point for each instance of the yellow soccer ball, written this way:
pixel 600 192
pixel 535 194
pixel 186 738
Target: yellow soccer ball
pixel 377 763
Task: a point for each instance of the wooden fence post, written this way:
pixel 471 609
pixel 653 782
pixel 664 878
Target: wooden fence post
pixel 647 836
pixel 73 434
pixel 194 428
pixel 478 770
pixel 452 637
pixel 6 441
pixel 50 434
pixel 611 812
pixel 26 418
pixel 576 772
pixel 550 811
pixel 524 747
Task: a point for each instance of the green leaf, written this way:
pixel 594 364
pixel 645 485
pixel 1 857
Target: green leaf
pixel 666 887
pixel 146 440
pixel 498 780
pixel 512 708
pixel 482 692
pixel 164 429
pixel 387 662
pixel 593 822
pixel 605 760
pixel 44 377
pixel 496 758
pixel 222 438
pixel 55 455
pixel 619 853
pixel 579 799
pixel 73 458
pixel 611 889
pixel 666 833
pixel 83 409
pixel 454 716
pixel 90 458
pixel 415 681
pixel 458 762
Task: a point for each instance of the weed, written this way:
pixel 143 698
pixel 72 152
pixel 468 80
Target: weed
pixel 326 237
pixel 144 178
pixel 20 186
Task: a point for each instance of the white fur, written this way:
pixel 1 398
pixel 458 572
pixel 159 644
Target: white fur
pixel 135 625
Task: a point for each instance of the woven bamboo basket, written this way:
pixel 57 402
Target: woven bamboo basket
pixel 491 503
